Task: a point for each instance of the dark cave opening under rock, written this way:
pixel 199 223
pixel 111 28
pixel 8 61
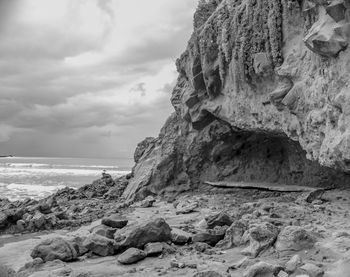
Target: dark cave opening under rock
pixel 218 154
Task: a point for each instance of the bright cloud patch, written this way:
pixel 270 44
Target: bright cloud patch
pixel 87 78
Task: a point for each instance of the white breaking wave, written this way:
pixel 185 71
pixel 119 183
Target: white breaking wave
pixel 19 191
pixel 38 165
pixel 40 177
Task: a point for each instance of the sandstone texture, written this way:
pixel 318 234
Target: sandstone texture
pixel 262 95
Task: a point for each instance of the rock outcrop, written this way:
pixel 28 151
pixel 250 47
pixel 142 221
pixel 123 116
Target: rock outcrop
pixel 262 95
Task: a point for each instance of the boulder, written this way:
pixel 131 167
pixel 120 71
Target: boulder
pixel 234 235
pixel 44 208
pixel 38 221
pixel 154 231
pixel 132 255
pixel 311 270
pixel 100 245
pixel 53 249
pixel 261 269
pixel 294 238
pixel 327 38
pixel 20 225
pixel 115 221
pixel 211 237
pixel 153 248
pixel 220 219
pixel 104 231
pixel 336 10
pixel 180 237
pixel 261 237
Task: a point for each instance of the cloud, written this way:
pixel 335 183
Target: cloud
pixel 84 77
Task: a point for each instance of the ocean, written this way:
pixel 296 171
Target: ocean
pixel 38 177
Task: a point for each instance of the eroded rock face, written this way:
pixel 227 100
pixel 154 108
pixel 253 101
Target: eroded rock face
pixel 262 94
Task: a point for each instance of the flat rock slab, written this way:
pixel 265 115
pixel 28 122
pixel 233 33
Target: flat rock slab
pixel 115 221
pixel 132 255
pixel 264 186
pixel 153 248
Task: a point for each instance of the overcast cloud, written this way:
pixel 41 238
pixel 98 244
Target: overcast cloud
pixel 88 78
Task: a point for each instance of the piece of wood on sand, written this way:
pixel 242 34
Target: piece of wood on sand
pixel 311 193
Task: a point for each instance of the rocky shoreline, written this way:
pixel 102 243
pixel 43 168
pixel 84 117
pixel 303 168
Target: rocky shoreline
pixel 262 97
pixel 211 232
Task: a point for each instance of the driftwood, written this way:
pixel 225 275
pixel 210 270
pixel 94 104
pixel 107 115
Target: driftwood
pixel 265 186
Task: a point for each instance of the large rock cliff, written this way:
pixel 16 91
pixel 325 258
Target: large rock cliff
pixel 262 95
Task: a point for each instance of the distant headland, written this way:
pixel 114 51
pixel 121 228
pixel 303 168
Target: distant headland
pixel 6 156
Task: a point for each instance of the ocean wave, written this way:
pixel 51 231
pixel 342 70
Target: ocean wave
pixel 16 191
pixel 59 166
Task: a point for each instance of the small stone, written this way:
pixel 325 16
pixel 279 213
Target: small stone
pixel 37 261
pixel 261 238
pixel 185 207
pixel 220 219
pixel 293 263
pixel 180 237
pixel 100 245
pixel 132 255
pixel 153 248
pixel 148 202
pixel 201 246
pixel 115 221
pixel 176 264
pixel 21 225
pixel 282 274
pixel 234 235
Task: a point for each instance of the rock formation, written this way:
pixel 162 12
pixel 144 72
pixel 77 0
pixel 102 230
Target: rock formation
pixel 262 95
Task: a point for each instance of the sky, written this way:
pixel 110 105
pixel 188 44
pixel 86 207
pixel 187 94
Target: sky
pixel 87 78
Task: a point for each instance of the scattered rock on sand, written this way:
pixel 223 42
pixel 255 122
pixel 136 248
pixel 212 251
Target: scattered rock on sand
pixel 100 245
pixel 294 238
pixel 186 206
pixel 211 237
pixel 147 202
pixel 261 269
pixel 154 231
pixel 179 236
pixel 153 248
pixel 293 263
pixel 56 248
pixel 132 255
pixel 115 221
pixel 220 219
pixel 261 237
pixel 234 235
pixel 311 270
pixel 3 220
pixel 38 221
pixel 104 231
